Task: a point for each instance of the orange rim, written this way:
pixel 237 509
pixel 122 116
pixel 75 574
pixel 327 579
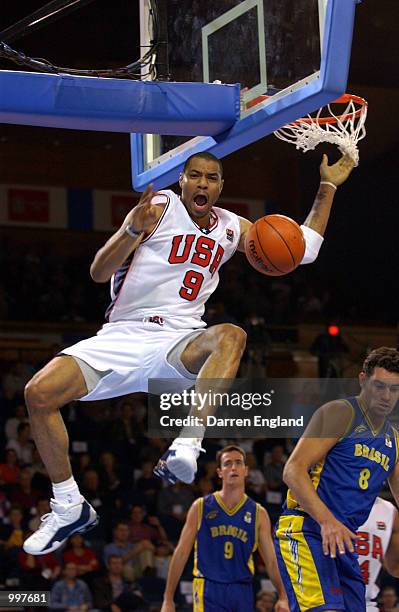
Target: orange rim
pixel 345 99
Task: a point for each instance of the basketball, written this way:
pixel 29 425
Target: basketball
pixel 275 245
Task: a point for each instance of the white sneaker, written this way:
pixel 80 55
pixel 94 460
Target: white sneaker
pixel 59 524
pixel 182 458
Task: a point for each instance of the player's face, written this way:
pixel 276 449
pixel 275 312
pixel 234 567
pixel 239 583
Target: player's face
pixel 380 391
pixel 232 468
pixel 201 185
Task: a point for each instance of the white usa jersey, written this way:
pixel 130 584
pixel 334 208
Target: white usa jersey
pixel 375 537
pixel 173 272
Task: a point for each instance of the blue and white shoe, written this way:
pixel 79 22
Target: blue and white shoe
pixel 179 462
pixel 59 524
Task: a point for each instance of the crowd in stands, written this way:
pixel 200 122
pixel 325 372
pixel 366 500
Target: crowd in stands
pixel 122 563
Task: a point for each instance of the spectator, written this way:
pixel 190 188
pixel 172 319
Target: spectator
pixel 148 484
pixel 11 539
pixel 91 489
pixel 42 508
pixel 12 423
pixel 389 599
pixel 205 486
pixel 38 571
pixel 153 449
pixel 84 462
pixel 274 469
pixel 15 380
pixel 173 505
pixel 71 594
pixel 4 507
pixel 12 530
pixel 109 474
pixel 210 472
pixel 135 557
pixel 79 553
pixel 9 470
pixel 255 482
pixel 127 427
pixel 23 444
pixel 275 486
pixel 112 593
pixel 139 530
pixel 40 479
pixel 23 493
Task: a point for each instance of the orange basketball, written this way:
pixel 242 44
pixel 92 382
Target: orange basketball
pixel 275 245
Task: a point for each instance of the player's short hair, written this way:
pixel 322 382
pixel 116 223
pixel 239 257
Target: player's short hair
pixel 204 155
pixel 229 449
pixel 383 357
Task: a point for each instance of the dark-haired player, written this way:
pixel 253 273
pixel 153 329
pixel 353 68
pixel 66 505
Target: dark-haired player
pixel 164 264
pixel 334 476
pixel 226 528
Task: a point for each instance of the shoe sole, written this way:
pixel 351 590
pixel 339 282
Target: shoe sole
pixel 57 545
pixel 173 463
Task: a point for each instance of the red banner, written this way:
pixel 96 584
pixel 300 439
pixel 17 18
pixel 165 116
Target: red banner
pixel 28 205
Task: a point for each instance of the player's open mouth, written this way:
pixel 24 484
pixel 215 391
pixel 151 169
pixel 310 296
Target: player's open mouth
pixel 200 200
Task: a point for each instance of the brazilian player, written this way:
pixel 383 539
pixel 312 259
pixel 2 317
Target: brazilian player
pixel 226 527
pixel 334 476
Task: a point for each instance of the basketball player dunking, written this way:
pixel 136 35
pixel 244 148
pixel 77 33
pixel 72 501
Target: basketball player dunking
pixel 226 527
pixel 163 264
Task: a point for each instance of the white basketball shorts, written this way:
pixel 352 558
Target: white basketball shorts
pixel 127 353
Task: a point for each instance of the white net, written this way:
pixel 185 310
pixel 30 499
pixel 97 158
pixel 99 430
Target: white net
pixel 344 130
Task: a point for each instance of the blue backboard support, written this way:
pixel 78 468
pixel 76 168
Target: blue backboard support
pixel 116 105
pixel 312 93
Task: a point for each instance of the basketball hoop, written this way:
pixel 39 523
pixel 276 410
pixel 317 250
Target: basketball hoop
pixel 344 129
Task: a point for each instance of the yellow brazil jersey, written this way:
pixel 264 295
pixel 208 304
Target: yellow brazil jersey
pixel 351 475
pixel 226 540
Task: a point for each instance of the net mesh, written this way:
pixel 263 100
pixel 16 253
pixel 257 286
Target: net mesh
pixel 344 130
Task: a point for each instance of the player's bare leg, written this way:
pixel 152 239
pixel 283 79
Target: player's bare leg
pixel 59 382
pixel 214 355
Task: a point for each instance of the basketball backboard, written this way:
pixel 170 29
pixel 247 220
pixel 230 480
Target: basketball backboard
pixel 295 53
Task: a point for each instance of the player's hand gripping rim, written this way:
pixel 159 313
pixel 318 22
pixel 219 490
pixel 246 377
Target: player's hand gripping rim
pixel 336 173
pixel 336 537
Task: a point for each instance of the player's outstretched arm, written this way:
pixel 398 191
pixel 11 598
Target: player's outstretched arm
pixel 315 224
pixel 391 558
pixel 266 550
pixel 180 557
pixel 336 174
pixel 141 220
pixel 327 426
pixel 244 228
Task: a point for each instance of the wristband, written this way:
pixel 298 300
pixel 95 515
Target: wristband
pixel 328 183
pixel 130 231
